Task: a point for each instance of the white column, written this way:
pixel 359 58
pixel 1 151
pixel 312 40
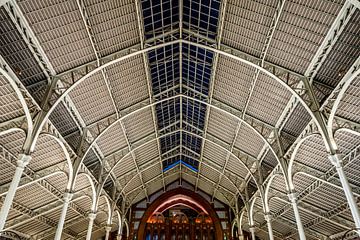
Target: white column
pixel 293 200
pixel 92 217
pixel 240 234
pixel 107 230
pixel 268 218
pixel 336 160
pixel 120 230
pixel 22 161
pixel 252 231
pixel 67 198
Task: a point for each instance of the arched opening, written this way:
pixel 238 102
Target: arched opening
pixel 180 214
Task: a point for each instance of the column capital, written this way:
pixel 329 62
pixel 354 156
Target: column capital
pixel 268 216
pixel 336 159
pixel 92 215
pixel 68 196
pixel 108 228
pixel 23 160
pixel 252 228
pixel 292 196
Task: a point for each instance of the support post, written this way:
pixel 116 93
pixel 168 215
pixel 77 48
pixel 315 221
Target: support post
pixel 107 231
pixel 252 231
pixel 336 160
pixel 268 218
pixel 67 198
pixel 92 217
pixel 22 161
pixel 293 199
pixel 239 230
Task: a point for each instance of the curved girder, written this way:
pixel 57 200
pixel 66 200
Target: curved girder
pixel 120 222
pixel 93 192
pixel 292 159
pixel 176 173
pixel 351 131
pixel 43 210
pixel 109 212
pixel 285 83
pixel 337 101
pixel 132 54
pixel 112 123
pixel 67 157
pixel 240 221
pixel 37 180
pixel 190 133
pixel 127 227
pixel 324 181
pixel 72 86
pixel 251 211
pixel 159 179
pixel 148 167
pixel 21 99
pixel 267 191
pixel 10 130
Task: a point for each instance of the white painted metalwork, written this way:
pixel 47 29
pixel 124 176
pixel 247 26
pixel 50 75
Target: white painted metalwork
pixel 324 123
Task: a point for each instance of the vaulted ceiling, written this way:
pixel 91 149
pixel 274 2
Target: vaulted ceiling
pixel 126 97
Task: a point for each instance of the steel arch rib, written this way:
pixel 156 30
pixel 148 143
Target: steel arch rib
pixel 21 99
pixel 267 190
pixel 166 99
pixel 190 133
pixel 338 100
pixel 292 159
pixel 10 130
pixel 67 91
pixel 136 195
pixel 67 157
pixel 142 170
pixel 148 142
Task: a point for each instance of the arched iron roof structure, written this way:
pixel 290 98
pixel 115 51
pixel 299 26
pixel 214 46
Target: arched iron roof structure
pixel 104 103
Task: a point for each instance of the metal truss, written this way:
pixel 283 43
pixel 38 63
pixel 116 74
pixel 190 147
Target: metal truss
pixel 327 178
pixel 292 225
pixel 333 101
pixel 100 127
pixel 331 38
pixel 13 234
pixel 148 79
pixel 27 101
pixel 30 213
pixel 226 174
pixel 97 227
pixel 290 78
pixel 211 90
pixel 122 153
pixel 312 69
pixel 175 173
pixel 320 215
pixel 269 37
pixel 69 80
pixel 94 45
pixel 43 210
pixel 49 129
pixel 67 224
pixel 29 37
pixel 43 183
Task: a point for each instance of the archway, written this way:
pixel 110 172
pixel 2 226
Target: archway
pixel 182 196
